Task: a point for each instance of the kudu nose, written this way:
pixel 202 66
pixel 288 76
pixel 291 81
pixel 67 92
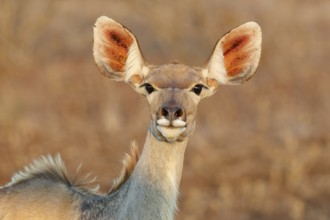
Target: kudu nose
pixel 171 113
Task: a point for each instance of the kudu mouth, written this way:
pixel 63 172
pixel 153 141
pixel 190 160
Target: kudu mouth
pixel 171 122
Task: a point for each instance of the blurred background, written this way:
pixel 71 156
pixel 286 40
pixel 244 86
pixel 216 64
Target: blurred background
pixel 260 150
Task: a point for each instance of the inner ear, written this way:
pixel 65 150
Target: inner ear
pixel 236 52
pixel 117 44
pixel 236 55
pixel 116 51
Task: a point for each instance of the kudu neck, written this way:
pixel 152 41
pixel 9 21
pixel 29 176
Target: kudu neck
pixel 161 159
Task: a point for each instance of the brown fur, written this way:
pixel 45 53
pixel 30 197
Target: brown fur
pixel 185 77
pixel 118 43
pixel 235 54
pixel 136 79
pixel 212 83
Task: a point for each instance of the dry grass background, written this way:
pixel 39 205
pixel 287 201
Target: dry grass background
pixel 260 151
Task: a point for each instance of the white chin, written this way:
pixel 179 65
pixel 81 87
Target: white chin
pixel 170 133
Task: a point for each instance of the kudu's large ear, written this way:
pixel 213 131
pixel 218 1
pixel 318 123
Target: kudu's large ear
pixel 116 52
pixel 235 57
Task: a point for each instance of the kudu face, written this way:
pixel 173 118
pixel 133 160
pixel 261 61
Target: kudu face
pixel 173 91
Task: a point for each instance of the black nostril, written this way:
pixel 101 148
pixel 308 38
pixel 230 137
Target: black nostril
pixel 164 112
pixel 178 113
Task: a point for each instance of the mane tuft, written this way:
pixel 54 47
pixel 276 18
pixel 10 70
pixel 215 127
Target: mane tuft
pixel 129 163
pixel 53 169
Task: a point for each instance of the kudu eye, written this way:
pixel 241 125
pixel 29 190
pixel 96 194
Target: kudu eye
pixel 198 89
pixel 149 88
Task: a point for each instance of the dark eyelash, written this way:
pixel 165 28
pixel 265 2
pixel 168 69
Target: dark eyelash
pixel 198 89
pixel 148 87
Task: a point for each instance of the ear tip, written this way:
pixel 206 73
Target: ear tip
pixel 253 26
pixel 104 20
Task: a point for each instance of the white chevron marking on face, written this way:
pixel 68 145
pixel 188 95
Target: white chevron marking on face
pixel 163 122
pixel 179 123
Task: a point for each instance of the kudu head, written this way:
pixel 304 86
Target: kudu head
pixel 174 90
